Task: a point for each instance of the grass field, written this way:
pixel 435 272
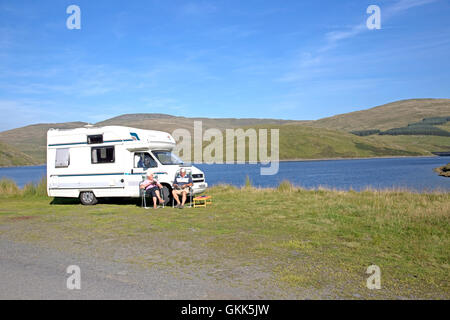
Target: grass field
pixel 295 239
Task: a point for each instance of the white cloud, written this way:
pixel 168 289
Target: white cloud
pixel 311 63
pixel 403 5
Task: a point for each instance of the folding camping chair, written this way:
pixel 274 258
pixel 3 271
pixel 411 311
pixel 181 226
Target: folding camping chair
pixel 144 196
pixel 190 193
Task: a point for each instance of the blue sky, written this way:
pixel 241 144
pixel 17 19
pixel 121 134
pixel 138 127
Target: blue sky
pixel 265 59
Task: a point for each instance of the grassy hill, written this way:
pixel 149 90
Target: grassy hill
pixel 164 122
pixel 306 142
pixel 325 138
pixel 10 156
pixel 32 139
pixel 391 115
pixel 421 144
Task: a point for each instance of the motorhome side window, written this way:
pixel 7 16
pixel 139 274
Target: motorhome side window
pixel 96 138
pixel 144 160
pixel 62 158
pixel 102 155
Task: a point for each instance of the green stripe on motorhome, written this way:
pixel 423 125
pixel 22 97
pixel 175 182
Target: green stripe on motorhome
pixel 78 143
pixel 88 174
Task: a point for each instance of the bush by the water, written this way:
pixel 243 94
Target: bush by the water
pixel 286 186
pixel 9 188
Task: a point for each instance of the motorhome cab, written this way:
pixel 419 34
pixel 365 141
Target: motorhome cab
pixel 94 162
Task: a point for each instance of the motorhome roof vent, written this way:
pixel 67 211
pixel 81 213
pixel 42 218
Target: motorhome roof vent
pixel 95 139
pixel 89 126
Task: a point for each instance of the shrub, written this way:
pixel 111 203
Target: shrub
pixel 9 187
pixel 41 188
pixel 29 190
pixel 248 183
pixel 285 186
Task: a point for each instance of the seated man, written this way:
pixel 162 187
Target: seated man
pixel 181 186
pixel 152 187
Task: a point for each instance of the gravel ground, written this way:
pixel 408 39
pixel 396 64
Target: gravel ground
pixel 33 272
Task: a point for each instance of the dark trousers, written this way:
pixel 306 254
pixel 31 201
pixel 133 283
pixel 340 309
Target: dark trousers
pixel 151 192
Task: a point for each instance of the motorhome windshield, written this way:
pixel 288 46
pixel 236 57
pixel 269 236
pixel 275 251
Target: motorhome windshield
pixel 167 157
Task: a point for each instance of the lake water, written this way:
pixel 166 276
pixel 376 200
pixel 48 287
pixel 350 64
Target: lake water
pixel 411 173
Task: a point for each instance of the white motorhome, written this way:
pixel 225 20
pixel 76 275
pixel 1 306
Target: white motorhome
pixel 111 161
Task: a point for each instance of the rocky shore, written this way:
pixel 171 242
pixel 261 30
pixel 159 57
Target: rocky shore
pixel 444 170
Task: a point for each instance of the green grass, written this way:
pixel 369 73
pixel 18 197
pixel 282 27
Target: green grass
pixel 320 240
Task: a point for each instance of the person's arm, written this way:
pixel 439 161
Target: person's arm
pixel 144 184
pixel 159 185
pixel 189 184
pixel 175 182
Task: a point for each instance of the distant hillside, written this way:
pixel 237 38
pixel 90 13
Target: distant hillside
pixel 32 139
pixel 325 138
pixel 10 156
pixel 305 142
pixel 164 122
pixel 388 116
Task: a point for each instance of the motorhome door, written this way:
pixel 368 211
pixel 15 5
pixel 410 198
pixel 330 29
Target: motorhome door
pixel 142 162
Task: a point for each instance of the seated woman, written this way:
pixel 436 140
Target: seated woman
pixel 151 187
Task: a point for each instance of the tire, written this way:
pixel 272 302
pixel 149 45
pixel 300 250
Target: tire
pixel 88 198
pixel 166 194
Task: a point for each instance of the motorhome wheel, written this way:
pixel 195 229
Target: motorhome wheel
pixel 88 198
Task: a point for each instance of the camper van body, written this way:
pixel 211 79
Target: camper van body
pixel 111 161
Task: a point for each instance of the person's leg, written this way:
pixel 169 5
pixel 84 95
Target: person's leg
pixel 147 193
pixel 175 196
pixel 158 195
pixel 183 199
pixel 153 195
